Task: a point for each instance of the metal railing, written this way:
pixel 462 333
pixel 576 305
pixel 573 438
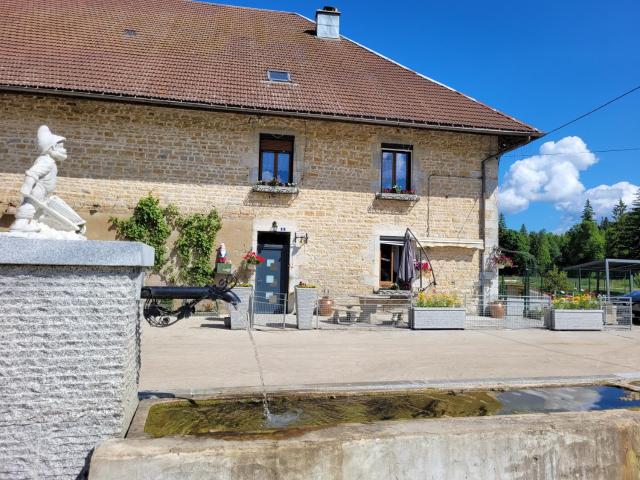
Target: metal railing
pixel 506 312
pixel 271 310
pixel 275 310
pixel 618 312
pixel 366 311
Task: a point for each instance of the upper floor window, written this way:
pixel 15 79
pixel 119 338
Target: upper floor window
pixel 396 167
pixel 276 158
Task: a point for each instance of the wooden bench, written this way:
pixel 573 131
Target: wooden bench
pixel 351 313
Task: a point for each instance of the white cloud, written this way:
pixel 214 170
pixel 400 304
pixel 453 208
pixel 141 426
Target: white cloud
pixel 604 197
pixel 554 176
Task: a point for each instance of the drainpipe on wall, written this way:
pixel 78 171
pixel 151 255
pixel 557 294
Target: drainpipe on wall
pixel 504 147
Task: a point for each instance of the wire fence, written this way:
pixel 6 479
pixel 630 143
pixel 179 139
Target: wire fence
pixel 618 313
pixel 276 311
pixel 366 311
pixel 506 312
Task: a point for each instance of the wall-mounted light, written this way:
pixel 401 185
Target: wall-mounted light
pixel 274 226
pixel 304 238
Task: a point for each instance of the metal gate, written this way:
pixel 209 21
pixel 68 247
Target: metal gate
pixel 506 311
pixel 271 310
pixel 618 313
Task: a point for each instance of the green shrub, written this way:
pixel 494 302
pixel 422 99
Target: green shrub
pixel 438 300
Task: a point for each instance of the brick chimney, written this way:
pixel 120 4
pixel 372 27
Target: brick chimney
pixel 328 23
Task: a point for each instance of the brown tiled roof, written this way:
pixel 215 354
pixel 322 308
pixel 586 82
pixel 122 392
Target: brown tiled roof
pixel 216 55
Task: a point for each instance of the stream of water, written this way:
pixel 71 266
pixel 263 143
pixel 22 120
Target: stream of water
pixel 265 400
pixel 272 420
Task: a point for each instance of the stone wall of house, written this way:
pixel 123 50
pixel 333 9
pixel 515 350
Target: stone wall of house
pixel 200 159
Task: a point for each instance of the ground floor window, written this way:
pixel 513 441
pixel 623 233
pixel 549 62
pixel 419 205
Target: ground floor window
pixel 391 249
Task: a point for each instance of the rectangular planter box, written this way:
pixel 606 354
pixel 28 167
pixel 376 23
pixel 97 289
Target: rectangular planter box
pixel 240 316
pixel 223 267
pixel 436 318
pixel 576 319
pixel 305 305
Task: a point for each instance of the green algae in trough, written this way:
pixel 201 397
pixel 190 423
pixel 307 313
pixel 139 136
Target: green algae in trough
pixel 245 416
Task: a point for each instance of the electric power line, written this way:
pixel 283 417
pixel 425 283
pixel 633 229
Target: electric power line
pixel 634 149
pixel 590 111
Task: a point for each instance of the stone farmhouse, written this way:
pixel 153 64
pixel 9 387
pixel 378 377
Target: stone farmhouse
pixel 207 105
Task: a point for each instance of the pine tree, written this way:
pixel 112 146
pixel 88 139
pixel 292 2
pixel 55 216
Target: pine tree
pixel 507 238
pixel 631 231
pixel 587 213
pixel 543 252
pixel 619 210
pixel 523 247
pixel 614 232
pixel 585 240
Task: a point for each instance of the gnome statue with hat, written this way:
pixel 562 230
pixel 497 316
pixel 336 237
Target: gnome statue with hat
pixel 42 215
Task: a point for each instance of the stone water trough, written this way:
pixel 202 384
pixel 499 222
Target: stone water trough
pixel 427 434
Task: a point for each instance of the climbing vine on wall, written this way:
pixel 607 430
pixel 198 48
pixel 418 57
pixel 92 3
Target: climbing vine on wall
pixel 195 245
pixel 189 259
pixel 149 225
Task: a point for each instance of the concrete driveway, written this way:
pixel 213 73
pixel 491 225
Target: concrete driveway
pixel 197 355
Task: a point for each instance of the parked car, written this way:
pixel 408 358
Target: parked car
pixel 635 304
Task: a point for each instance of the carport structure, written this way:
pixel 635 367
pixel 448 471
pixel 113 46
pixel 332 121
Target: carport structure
pixel 618 267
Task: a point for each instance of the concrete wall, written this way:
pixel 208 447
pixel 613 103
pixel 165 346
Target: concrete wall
pixel 119 152
pixel 69 343
pixel 591 445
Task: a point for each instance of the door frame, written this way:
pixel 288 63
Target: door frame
pixel 286 243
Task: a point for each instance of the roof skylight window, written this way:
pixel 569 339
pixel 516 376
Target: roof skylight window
pixel 278 76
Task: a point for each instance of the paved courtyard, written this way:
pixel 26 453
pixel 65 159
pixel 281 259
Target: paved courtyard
pixel 197 355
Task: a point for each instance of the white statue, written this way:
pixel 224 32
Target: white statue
pixel 42 215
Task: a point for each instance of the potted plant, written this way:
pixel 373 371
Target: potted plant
pixel 325 305
pixel 576 312
pixel 496 309
pixel 437 311
pixel 239 316
pixel 306 298
pixel 251 259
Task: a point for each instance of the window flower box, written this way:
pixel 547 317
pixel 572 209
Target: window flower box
pixel 402 197
pixel 576 319
pixel 275 186
pixel 306 299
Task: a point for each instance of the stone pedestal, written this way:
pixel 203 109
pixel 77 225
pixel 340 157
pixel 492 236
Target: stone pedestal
pixel 69 337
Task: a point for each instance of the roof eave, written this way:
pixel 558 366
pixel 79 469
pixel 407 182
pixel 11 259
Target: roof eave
pixel 267 111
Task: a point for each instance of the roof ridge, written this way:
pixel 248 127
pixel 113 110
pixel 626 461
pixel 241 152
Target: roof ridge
pixel 429 78
pixel 202 2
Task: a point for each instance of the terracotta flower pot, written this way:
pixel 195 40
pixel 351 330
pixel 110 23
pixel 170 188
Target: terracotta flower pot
pixel 325 306
pixel 496 309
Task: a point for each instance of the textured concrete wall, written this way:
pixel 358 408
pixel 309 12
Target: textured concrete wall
pixel 591 445
pixel 119 152
pixel 69 337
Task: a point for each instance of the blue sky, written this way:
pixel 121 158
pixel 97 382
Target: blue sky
pixel 544 63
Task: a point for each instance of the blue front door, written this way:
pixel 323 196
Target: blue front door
pixel 272 275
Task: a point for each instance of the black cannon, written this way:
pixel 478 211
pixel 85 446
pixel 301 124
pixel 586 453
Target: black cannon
pixel 162 316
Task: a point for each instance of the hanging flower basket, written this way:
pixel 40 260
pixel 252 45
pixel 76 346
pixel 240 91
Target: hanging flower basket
pixel 499 260
pixel 251 259
pixel 422 266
